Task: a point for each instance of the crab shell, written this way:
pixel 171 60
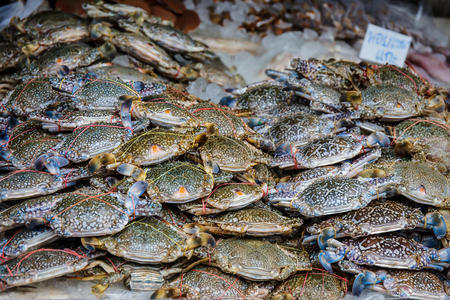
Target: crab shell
pixel 377 217
pixel 210 283
pixel 25 240
pixel 331 196
pixel 230 154
pixel 29 183
pixel 386 102
pixel 178 182
pixel 412 284
pixel 232 196
pixel 251 222
pixel 388 251
pixel 43 264
pixel 148 240
pixel 421 183
pixel 157 145
pixel 88 213
pixel 311 285
pixel 258 260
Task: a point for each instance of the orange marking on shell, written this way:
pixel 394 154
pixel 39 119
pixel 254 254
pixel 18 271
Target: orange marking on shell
pixel 182 190
pixel 239 193
pixel 155 148
pixel 422 189
pixel 167 111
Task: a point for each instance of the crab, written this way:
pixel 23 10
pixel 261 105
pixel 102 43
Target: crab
pixel 209 283
pixel 178 182
pixel 119 72
pixel 263 100
pixel 391 103
pixel 305 192
pixel 86 212
pixel 23 184
pixel 258 260
pixel 61 60
pixel 90 92
pixel 301 128
pixel 424 139
pixel 439 222
pixel 247 221
pixel 322 98
pixel 25 143
pixel 58 211
pixel 387 250
pixel 339 74
pixel 165 36
pixel 415 180
pixel 315 284
pixel 32 96
pixel 43 264
pixel 327 151
pixel 71 119
pixel 229 154
pixel 141 47
pixel 150 240
pixel 149 148
pixel 396 283
pixel 11 56
pixel 25 240
pixel 83 144
pixel 377 217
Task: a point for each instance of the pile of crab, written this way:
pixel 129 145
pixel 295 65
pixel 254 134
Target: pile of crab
pixel 333 174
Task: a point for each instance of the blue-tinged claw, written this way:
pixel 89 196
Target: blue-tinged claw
pixel 324 262
pixel 436 222
pixel 125 112
pixel 435 267
pixel 63 70
pixel 228 101
pixel 255 122
pixel 362 281
pixel 132 200
pixel 52 163
pixel 378 138
pixel 137 189
pixel 277 75
pixel 444 255
pixel 324 236
pixel 5 154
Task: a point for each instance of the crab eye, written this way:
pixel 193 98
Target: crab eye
pixel 422 189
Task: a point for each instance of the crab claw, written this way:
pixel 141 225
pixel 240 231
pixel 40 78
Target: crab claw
pixel 166 293
pixel 229 101
pixel 378 138
pixel 324 236
pixel 193 228
pixel 362 281
pixel 134 192
pixel 277 75
pixel 131 170
pixel 125 110
pixel 63 70
pixel 201 239
pixel 100 160
pixel 51 163
pixel 444 255
pixel 436 222
pixel 326 258
pixel 91 243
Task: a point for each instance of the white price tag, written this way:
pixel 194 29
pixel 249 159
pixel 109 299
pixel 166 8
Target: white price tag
pixel 384 46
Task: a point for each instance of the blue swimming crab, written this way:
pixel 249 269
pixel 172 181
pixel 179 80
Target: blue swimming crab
pixel 150 240
pixel 23 184
pixel 405 284
pixel 148 148
pixel 45 263
pixel 388 250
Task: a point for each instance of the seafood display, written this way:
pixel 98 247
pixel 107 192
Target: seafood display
pixel 329 178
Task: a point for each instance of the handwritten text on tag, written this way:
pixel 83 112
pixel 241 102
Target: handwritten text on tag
pixel 384 46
